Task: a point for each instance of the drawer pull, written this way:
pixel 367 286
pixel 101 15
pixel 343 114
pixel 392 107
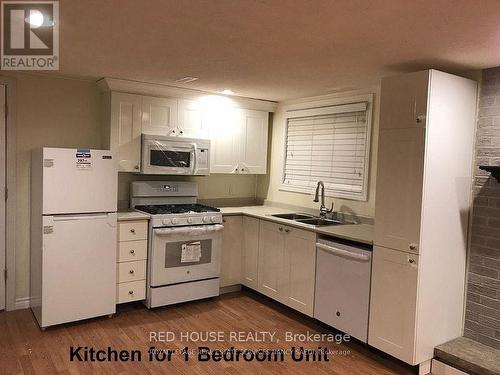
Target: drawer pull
pixel 411 261
pixel 130 292
pixel 132 251
pixel 280 229
pixel 413 246
pixel 131 272
pixel 287 230
pixel 132 230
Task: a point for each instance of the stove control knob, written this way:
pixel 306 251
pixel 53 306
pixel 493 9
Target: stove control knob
pixel 166 221
pixel 190 220
pixel 206 219
pixel 213 219
pixel 175 221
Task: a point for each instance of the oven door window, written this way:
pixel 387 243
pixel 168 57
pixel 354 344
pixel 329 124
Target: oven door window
pixel 181 254
pixel 169 158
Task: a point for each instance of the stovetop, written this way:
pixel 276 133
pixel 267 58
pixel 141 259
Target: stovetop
pixel 162 209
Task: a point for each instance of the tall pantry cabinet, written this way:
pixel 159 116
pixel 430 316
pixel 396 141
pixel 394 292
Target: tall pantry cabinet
pixel 423 199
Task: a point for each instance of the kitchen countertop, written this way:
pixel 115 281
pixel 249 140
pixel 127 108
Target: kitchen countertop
pixel 362 233
pixel 132 215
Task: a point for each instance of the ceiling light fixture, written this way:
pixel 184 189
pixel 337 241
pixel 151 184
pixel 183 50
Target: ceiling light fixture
pixel 228 92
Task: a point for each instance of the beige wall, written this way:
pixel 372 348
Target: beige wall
pixel 61 112
pixel 51 112
pixel 268 186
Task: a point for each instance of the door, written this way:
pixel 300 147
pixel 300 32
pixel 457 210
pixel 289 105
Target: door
pixel 191 119
pixel 231 251
pixel 159 116
pixel 393 303
pixel 271 260
pixel 342 294
pixel 3 184
pixel 78 181
pixel 404 101
pixel 250 248
pixel 253 141
pixel 181 254
pixel 79 267
pixel 125 140
pixel 398 200
pixel 299 269
pixel 225 135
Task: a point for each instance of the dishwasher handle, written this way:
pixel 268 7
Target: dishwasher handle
pixel 342 252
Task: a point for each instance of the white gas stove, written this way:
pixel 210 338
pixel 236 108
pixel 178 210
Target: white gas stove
pixel 185 240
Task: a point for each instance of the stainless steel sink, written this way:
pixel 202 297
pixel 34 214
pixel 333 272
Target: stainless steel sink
pixel 294 216
pixel 309 219
pixel 318 221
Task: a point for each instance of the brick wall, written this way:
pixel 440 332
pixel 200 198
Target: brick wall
pixel 482 320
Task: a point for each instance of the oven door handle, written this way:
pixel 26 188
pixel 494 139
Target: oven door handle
pixel 188 230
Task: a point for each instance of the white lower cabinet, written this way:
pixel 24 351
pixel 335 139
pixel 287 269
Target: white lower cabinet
pixel 271 278
pixel 393 303
pixel 131 261
pixel 300 269
pixel 287 265
pixel 231 251
pixel 250 252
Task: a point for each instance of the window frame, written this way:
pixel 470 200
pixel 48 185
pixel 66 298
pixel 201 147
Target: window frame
pixel 291 111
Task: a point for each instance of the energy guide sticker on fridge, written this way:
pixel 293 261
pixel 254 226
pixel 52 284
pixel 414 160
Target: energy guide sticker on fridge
pixel 83 159
pixel 191 252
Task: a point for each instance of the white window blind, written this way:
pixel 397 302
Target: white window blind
pixel 329 147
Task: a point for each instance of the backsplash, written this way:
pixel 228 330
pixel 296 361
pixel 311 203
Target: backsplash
pixel 482 321
pixel 217 189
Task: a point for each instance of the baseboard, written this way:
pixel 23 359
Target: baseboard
pixel 22 303
pixel 230 289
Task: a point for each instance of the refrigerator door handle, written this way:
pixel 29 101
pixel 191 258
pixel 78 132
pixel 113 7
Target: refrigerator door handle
pixel 80 217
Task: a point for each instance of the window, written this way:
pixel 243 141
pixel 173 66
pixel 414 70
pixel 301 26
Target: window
pixel 329 144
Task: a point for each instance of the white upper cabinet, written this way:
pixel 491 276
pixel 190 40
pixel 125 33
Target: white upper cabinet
pixel 238 136
pixel 125 137
pixel 239 142
pixel 192 119
pixel 253 137
pixel 159 116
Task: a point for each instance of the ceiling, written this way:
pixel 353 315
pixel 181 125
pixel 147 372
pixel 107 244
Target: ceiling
pixel 275 49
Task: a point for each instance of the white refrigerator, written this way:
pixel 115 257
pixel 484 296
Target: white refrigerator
pixel 73 234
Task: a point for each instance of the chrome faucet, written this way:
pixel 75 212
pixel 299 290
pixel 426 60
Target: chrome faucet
pixel 323 211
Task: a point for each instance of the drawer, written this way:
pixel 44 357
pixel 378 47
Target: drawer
pixel 131 291
pixel 133 230
pixel 129 251
pixel 131 271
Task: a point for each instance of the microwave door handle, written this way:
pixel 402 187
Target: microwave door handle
pixel 195 157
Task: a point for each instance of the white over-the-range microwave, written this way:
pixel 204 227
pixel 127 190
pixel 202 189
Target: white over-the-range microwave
pixel 175 155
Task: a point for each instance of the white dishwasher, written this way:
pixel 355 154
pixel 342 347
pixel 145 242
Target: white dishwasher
pixel 342 294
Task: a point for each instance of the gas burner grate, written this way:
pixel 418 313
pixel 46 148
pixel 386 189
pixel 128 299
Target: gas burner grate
pixel 161 209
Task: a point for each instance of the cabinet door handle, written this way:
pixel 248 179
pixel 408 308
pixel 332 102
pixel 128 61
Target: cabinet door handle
pixel 420 119
pixel 280 229
pixel 132 230
pixel 132 252
pixel 131 272
pixel 130 292
pixel 413 246
pixel 287 230
pixel 136 167
pixel 411 260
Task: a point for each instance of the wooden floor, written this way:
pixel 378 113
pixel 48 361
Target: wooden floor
pixel 25 349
